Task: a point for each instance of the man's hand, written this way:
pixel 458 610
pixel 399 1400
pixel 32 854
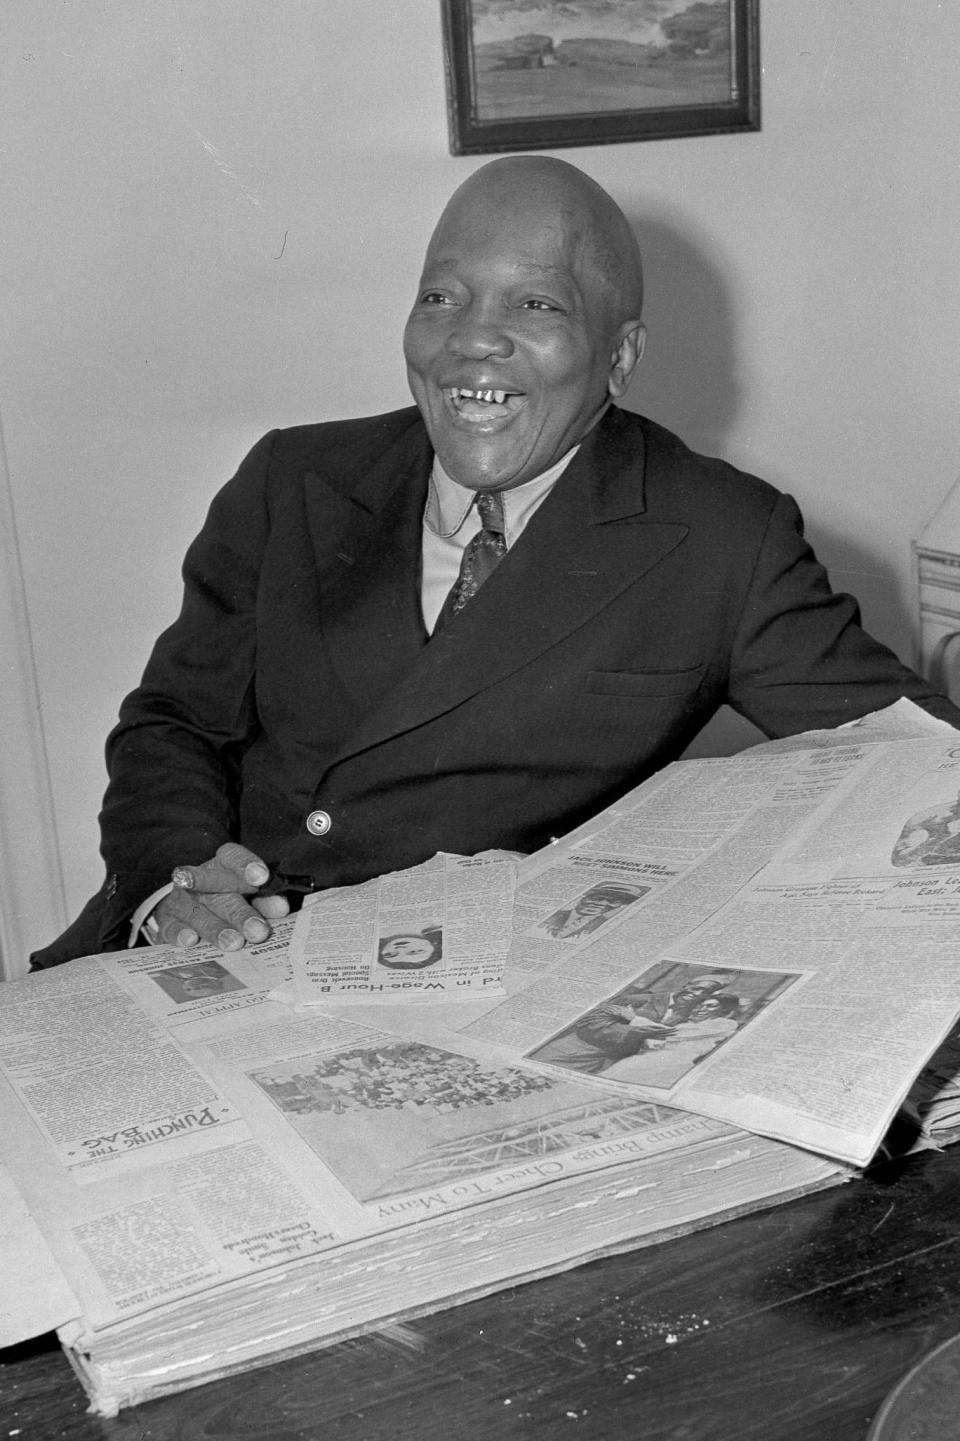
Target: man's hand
pixel 207 902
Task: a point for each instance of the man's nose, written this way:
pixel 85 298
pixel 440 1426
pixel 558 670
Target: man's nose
pixel 479 333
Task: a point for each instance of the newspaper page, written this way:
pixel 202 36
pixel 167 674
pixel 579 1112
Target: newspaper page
pixel 438 931
pixel 792 962
pixel 176 1137
pixel 35 1297
pixel 766 939
pixel 934 1099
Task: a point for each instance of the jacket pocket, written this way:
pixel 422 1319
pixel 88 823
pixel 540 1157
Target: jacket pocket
pixel 645 683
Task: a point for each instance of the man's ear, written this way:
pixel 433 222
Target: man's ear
pixel 626 355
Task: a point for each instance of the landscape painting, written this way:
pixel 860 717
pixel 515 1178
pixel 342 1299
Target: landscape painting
pixel 529 74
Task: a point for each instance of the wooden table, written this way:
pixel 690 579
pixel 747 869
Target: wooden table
pixel 790 1325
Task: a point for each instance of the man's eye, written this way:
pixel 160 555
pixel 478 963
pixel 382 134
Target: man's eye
pixel 536 302
pixel 434 297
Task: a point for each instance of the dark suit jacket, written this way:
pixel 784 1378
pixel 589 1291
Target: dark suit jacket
pixel 652 586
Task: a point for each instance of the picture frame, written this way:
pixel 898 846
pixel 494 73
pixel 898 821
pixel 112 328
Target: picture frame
pixel 544 74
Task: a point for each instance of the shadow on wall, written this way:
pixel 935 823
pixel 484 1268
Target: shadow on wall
pixel 689 377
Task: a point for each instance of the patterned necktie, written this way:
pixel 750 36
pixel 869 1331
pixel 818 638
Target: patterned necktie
pixel 480 558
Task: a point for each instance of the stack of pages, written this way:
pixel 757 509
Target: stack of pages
pixel 714 997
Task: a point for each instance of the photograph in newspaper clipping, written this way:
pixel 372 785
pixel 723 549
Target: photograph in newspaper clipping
pixel 438 931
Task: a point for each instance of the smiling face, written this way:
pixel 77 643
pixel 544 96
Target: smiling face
pixel 526 322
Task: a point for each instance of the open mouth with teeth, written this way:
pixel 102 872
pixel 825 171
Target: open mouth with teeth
pixel 477 405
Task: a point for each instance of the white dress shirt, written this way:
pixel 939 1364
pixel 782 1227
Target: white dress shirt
pixel 450 521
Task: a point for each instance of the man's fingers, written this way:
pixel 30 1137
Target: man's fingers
pixel 233 868
pixel 239 917
pixel 237 858
pixel 224 921
pixel 176 922
pixel 273 907
pixel 172 932
pixel 212 878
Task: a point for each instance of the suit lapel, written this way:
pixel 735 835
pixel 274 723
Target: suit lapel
pixel 589 541
pixel 367 545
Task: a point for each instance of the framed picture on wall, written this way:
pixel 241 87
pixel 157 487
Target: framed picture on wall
pixel 540 74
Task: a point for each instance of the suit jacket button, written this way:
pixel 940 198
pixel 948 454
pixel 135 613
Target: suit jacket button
pixel 318 823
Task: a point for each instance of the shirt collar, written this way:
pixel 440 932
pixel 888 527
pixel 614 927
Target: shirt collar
pixel 448 503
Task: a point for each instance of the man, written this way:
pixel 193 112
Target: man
pixel 591 910
pixel 308 723
pixel 628 1025
pixel 930 838
pixel 669 1008
pixel 667 1059
pixel 411 950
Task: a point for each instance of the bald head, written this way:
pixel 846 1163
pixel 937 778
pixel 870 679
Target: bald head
pixel 539 192
pixel 527 320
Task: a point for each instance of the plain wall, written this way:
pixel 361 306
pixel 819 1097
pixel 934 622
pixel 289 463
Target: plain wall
pixel 213 221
